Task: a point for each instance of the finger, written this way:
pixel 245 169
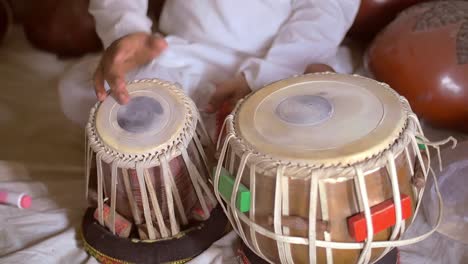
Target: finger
pixel 99 88
pixel 117 85
pixel 154 46
pixel 157 43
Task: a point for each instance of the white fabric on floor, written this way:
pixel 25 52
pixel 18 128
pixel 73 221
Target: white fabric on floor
pixel 42 155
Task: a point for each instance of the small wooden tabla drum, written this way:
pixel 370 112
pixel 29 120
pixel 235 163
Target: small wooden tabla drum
pixel 322 168
pixel 151 181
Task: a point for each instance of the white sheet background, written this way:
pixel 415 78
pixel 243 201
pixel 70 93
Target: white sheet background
pixel 41 153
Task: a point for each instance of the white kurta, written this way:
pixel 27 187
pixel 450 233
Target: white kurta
pixel 213 40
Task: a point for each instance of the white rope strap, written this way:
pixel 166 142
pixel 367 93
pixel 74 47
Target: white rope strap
pixel 398 228
pixel 229 118
pixel 206 137
pixel 144 198
pixel 360 204
pixel 178 201
pixel 217 176
pixel 392 172
pixel 201 152
pixel 437 144
pixel 253 234
pixel 425 172
pixel 235 189
pixel 195 182
pixel 232 159
pixel 166 172
pixel 88 153
pixel 313 218
pixel 131 199
pixel 412 172
pixel 323 199
pixel 408 160
pixel 285 212
pixel 366 252
pixel 113 195
pixel 205 133
pixel 156 208
pixel 100 188
pixel 202 181
pixel 277 214
pixel 206 188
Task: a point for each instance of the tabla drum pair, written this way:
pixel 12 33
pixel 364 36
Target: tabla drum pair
pixel 323 168
pixel 148 167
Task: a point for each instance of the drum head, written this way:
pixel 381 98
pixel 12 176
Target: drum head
pixel 322 119
pixel 154 117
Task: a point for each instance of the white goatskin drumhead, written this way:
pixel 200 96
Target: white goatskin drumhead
pixel 321 117
pixel 153 118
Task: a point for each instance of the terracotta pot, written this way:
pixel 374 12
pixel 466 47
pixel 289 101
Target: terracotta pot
pixel 423 54
pixel 65 28
pixel 374 15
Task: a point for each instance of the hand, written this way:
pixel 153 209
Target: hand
pixel 122 56
pixel 228 93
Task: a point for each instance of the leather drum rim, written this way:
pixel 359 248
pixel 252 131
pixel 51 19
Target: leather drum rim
pixel 387 130
pixel 109 143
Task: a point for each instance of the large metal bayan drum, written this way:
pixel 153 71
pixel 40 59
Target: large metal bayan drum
pixel 322 168
pixel 151 181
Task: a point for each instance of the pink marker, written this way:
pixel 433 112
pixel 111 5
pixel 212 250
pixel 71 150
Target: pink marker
pixel 20 200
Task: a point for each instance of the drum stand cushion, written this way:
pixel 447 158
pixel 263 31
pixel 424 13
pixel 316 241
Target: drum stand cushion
pixel 109 248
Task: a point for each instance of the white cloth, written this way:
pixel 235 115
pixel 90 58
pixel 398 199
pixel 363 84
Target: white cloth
pixel 210 41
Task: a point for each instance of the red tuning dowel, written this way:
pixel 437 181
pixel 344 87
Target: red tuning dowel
pixel 383 217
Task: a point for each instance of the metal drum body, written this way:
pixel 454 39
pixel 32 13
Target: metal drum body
pixel 322 159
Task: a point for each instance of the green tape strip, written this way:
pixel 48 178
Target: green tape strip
pixel 225 187
pixel 420 145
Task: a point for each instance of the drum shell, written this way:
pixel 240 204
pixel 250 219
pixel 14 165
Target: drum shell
pixel 341 199
pixel 179 172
